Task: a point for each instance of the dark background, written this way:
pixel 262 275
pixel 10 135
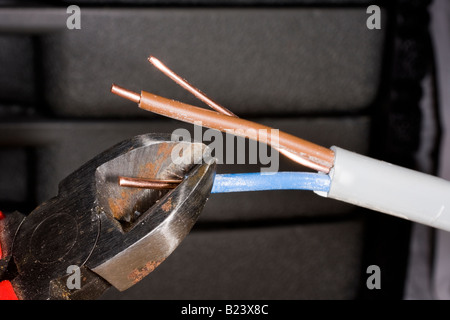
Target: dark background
pixel 310 68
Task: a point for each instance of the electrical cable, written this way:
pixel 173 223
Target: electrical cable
pixel 351 178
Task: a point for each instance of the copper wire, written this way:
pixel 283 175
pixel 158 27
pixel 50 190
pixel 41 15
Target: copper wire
pixel 186 85
pixel 125 93
pixel 205 99
pixel 307 153
pixel 148 183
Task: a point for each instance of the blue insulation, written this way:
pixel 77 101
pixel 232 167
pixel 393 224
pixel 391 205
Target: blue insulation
pixel 255 181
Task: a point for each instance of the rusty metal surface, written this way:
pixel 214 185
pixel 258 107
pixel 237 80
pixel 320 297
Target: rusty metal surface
pixel 116 235
pixel 170 217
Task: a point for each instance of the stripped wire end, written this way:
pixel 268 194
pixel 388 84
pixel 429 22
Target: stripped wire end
pixel 301 151
pixel 125 93
pixel 148 183
pixel 189 87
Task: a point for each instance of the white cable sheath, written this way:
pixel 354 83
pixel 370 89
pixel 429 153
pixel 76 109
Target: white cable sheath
pixel 391 189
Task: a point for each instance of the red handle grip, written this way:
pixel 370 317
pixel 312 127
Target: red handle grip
pixel 6 289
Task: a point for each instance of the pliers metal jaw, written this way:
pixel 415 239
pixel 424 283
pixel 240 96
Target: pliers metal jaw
pixel 115 235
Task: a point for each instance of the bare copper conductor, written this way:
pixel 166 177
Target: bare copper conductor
pixel 186 85
pixel 125 93
pixel 148 183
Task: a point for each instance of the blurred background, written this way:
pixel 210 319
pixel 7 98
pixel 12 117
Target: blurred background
pixel 310 68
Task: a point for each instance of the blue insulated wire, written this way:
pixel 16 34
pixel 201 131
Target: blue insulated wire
pixel 255 181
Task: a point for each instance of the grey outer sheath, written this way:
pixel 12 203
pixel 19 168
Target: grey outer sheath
pixel 390 189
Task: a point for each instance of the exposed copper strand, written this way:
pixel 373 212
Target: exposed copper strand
pixel 189 87
pixel 125 93
pixel 310 154
pixel 303 152
pixel 204 98
pixel 148 183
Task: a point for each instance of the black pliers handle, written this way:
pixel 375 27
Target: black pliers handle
pixel 114 235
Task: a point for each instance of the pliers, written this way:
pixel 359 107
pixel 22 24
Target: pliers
pixel 114 235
